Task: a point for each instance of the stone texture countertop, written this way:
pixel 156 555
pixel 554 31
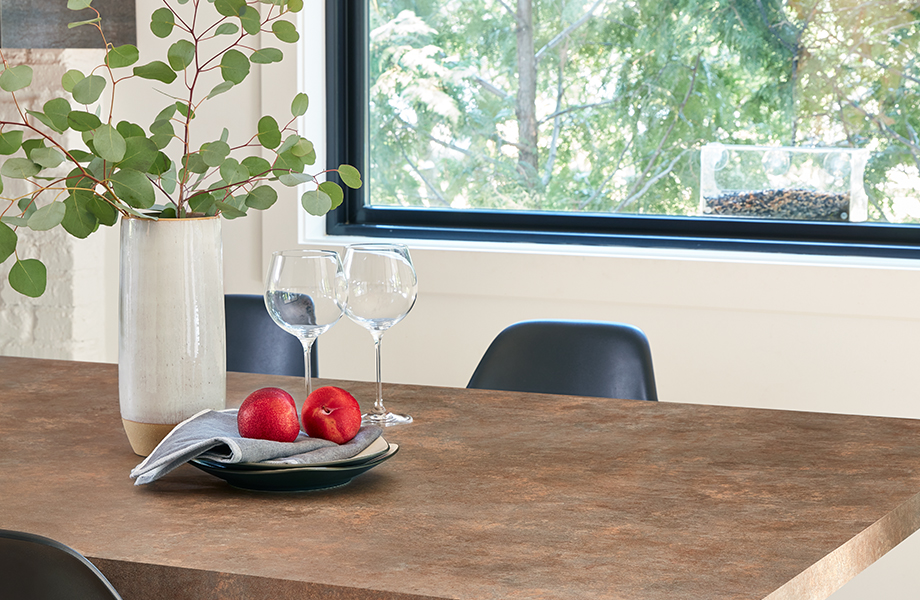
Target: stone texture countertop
pixel 492 495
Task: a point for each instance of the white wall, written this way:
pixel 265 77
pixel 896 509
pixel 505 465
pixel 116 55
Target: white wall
pixel 824 334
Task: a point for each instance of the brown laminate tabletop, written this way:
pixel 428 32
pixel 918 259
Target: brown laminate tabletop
pixel 493 495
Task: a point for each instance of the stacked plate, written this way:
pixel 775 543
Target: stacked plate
pixel 280 477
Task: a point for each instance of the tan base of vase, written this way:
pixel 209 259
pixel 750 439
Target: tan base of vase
pixel 144 437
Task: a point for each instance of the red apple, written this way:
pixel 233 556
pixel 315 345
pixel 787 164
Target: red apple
pixel 332 414
pixel 268 414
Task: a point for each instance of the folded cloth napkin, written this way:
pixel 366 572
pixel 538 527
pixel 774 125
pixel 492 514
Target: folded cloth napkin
pixel 214 435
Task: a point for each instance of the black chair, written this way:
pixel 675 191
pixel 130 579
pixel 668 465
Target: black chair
pixel 578 358
pixel 33 567
pixel 255 344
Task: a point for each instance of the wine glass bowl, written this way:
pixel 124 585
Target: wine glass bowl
pixel 305 293
pixel 382 289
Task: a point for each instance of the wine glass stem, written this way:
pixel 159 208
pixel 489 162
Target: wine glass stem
pixel 378 404
pixel 307 343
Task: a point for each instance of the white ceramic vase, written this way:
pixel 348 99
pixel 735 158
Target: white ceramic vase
pixel 172 360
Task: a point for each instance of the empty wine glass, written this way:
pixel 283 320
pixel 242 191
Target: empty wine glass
pixel 305 293
pixel 382 287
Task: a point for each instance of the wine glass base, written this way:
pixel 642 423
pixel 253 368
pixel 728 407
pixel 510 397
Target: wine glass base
pixel 386 419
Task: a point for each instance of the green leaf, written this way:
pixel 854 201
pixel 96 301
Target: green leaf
pixel 47 217
pixel 183 109
pixel 140 154
pixel 161 164
pixel 302 148
pixel 266 56
pixel 288 161
pixel 16 78
pixel 257 166
pixel 57 110
pixel 133 188
pixel 334 191
pixel 129 130
pixel 78 4
pixel 220 88
pixel 294 179
pixel 29 145
pixel 10 141
pixel 83 121
pixel 88 89
pixel 202 202
pixel 251 21
pixel 29 277
pixel 268 132
pixel 180 55
pixel 122 56
pixel 87 22
pixel 285 31
pixel 234 66
pixel 82 155
pixel 233 172
pixel 295 5
pixel 300 104
pixel 226 29
pixel 169 179
pixel 350 176
pixel 162 22
pixel 229 211
pixel 214 153
pixel 19 168
pixel 44 119
pixel 78 220
pixel 47 157
pixel 157 70
pixel 8 240
pixel 261 197
pixel 27 206
pixel 70 79
pixel 316 202
pixel 108 143
pixel 194 163
pixel 230 8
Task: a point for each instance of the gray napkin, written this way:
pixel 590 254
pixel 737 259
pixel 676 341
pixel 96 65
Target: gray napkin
pixel 214 435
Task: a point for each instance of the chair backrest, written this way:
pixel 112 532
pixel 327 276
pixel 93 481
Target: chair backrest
pixel 578 358
pixel 33 567
pixel 255 343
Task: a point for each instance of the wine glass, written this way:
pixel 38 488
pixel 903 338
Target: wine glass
pixel 382 287
pixel 305 293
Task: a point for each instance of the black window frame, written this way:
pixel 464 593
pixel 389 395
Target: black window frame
pixel 347 142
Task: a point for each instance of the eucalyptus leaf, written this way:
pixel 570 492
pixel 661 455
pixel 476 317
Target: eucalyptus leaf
pixel 285 31
pixel 83 121
pixel 300 104
pixel 266 56
pixel 294 179
pixel 226 29
pixel 81 155
pixel 108 143
pixel 92 21
pixel 350 176
pixel 45 119
pixel 78 220
pixel 302 148
pixel 261 198
pixel 257 166
pixel 47 217
pixel 228 210
pixel 140 154
pixel 28 277
pixel 233 172
pixel 78 4
pixel 183 109
pixel 16 78
pixel 47 157
pixel 57 110
pixel 166 114
pixel 122 56
pixel 129 130
pixel 10 141
pixel 288 161
pixel 19 168
pixel 234 66
pixel 161 164
pixel 133 188
pixel 27 206
pixel 180 55
pixel 220 88
pixel 8 239
pixel 194 163
pixel 104 212
pixel 230 8
pixel 316 202
pixel 268 133
pixel 214 153
pixel 156 70
pixel 169 180
pixel 162 22
pixel 251 21
pixel 88 89
pixel 334 191
pixel 202 202
pixel 70 79
pixel 295 5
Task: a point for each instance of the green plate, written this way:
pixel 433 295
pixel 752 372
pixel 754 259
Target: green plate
pixel 295 478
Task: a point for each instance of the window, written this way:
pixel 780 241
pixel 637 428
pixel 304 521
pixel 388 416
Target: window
pixel 737 124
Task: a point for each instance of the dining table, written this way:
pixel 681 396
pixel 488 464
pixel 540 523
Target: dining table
pixel 491 495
